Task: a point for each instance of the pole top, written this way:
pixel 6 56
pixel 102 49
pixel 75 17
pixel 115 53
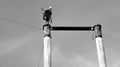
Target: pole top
pixel 47 30
pixel 98 31
pixel 98 25
pixel 46 25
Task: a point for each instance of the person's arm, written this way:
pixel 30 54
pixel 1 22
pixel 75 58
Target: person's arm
pixel 42 9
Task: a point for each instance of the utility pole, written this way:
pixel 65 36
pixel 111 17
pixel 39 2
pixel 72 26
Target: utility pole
pixel 99 46
pixel 47 38
pixel 47 48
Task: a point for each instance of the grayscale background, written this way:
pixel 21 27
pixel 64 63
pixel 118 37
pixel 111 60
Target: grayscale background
pixel 21 45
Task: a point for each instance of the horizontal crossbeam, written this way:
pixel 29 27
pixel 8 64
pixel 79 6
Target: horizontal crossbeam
pixel 70 28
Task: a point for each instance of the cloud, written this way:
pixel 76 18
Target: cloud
pixel 11 45
pixel 75 60
pixel 81 61
pixel 117 63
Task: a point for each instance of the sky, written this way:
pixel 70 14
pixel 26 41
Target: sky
pixel 21 41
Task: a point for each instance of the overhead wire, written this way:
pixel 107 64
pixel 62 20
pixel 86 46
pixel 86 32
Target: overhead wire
pixel 116 40
pixel 40 58
pixel 13 21
pixel 33 27
pixel 30 26
pixel 107 36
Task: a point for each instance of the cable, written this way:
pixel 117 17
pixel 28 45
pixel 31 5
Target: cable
pixel 116 40
pixel 39 61
pixel 12 21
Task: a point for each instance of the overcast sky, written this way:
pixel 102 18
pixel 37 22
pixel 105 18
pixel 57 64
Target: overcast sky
pixel 21 46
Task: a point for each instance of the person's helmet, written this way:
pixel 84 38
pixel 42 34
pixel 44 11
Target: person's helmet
pixel 50 8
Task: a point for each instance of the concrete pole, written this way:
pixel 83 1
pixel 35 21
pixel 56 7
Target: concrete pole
pixel 99 46
pixel 47 41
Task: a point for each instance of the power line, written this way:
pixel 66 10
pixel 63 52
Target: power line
pixel 40 58
pixel 12 21
pixel 116 40
pixel 39 61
